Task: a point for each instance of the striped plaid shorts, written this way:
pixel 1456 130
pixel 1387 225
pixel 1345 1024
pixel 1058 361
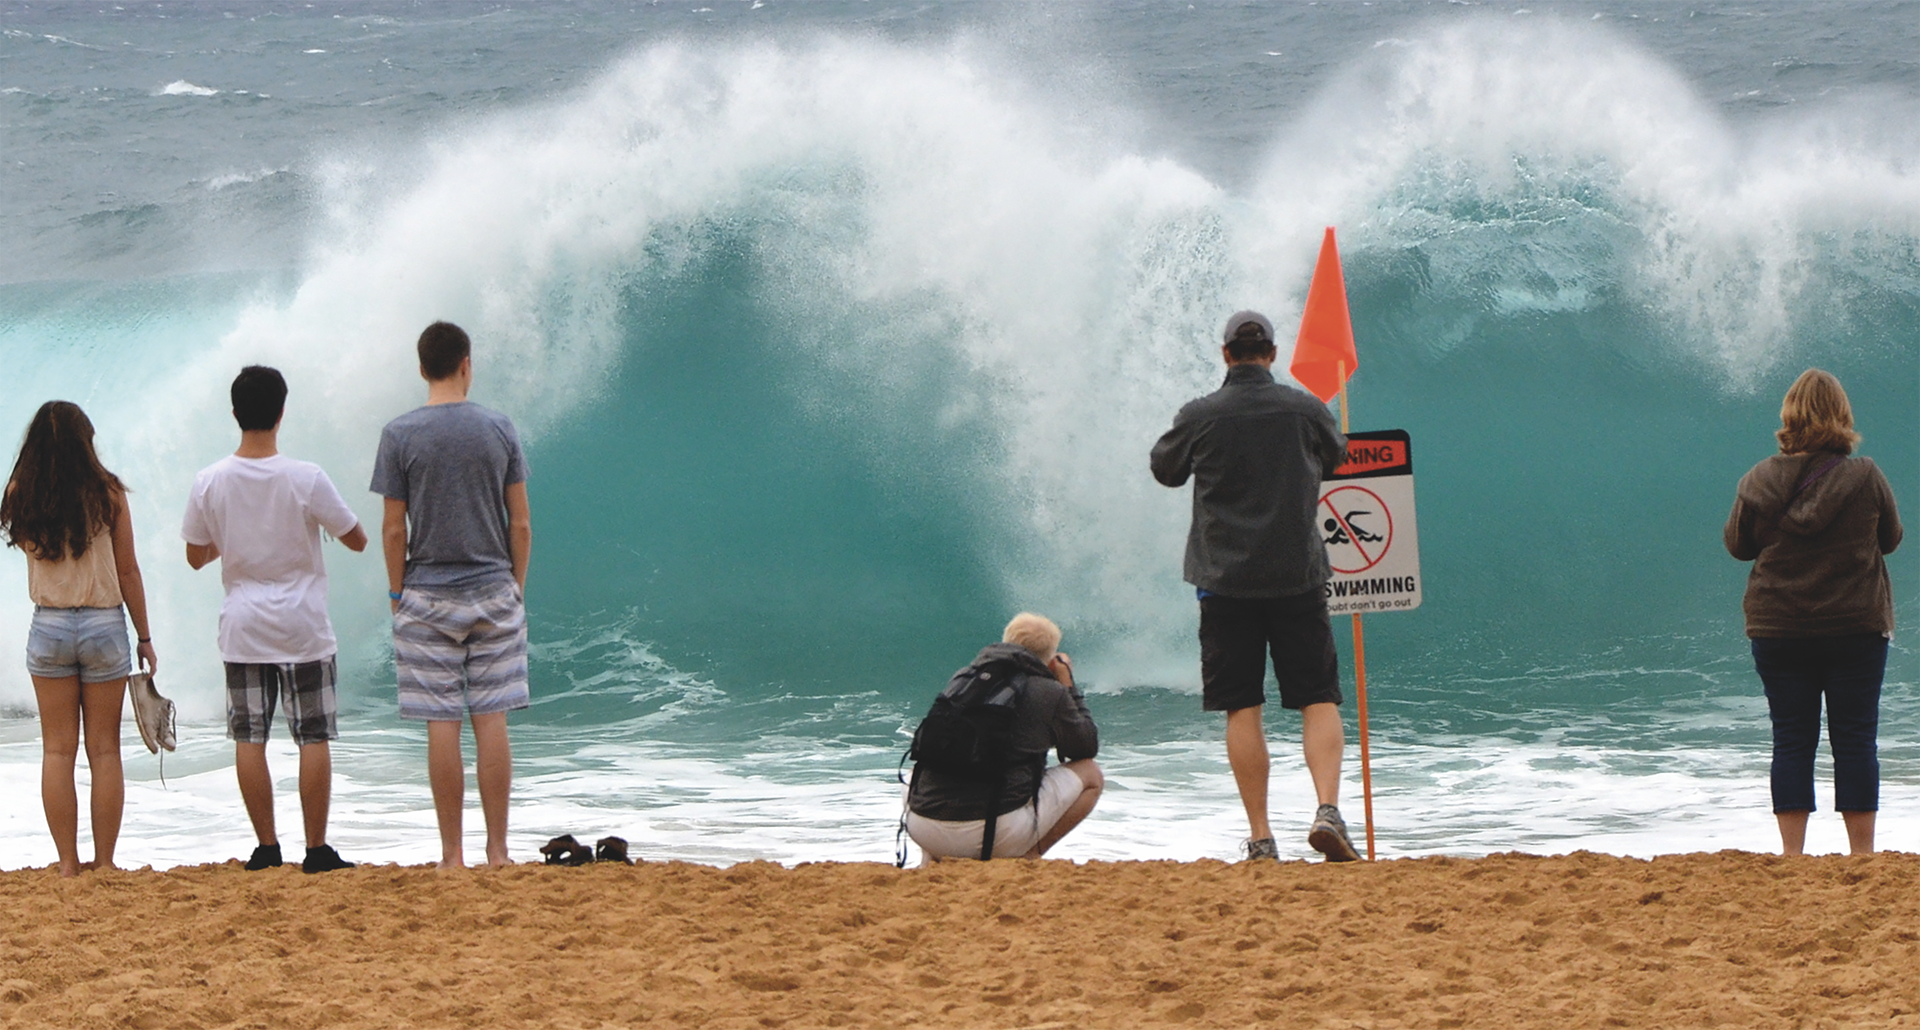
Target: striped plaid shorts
pixel 306 690
pixel 460 652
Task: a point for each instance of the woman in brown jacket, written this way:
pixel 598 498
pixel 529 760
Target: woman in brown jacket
pixel 1815 523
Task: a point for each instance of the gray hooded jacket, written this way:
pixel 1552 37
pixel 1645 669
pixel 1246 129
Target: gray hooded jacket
pixel 1817 565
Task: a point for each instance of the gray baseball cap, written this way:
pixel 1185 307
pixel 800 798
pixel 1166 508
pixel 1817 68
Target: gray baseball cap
pixel 1241 318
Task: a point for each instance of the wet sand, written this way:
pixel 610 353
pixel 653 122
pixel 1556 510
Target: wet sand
pixel 1728 939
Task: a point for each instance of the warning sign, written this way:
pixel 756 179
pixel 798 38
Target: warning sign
pixel 1366 518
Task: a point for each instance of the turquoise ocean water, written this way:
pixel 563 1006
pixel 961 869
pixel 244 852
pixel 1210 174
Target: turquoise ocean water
pixel 839 332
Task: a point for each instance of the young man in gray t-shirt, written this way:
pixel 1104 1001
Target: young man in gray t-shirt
pixel 457 535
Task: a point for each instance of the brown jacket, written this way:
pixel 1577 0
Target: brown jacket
pixel 1817 566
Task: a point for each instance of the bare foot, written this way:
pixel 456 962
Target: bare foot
pixel 448 865
pixel 68 872
pixel 497 859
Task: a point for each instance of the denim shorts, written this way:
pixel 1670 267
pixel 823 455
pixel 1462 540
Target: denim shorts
pixel 90 643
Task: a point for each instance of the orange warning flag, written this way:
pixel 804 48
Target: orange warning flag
pixel 1326 332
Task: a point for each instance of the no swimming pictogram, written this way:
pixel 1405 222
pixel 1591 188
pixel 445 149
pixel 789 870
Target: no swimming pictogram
pixel 1366 520
pixel 1358 528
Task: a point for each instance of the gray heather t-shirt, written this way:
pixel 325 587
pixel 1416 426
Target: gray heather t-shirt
pixel 452 464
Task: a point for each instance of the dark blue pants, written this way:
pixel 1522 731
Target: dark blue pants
pixel 1847 671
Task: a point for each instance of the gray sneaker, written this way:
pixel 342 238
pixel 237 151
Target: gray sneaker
pixel 1329 836
pixel 1262 848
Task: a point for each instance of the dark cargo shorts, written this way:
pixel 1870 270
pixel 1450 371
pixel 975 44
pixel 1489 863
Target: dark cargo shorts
pixel 1237 634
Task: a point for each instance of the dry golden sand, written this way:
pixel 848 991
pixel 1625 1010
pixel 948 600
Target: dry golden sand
pixel 1585 940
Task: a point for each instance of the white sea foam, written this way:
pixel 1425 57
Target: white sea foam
pixel 224 180
pixel 183 88
pixel 1170 800
pixel 64 41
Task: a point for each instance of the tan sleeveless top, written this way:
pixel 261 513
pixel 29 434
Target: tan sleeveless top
pixel 90 581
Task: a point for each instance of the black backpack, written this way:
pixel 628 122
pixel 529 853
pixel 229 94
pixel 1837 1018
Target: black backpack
pixel 968 733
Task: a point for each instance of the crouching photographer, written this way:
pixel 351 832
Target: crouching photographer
pixel 981 787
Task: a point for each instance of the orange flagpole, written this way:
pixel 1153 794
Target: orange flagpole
pixel 1360 669
pixel 1326 338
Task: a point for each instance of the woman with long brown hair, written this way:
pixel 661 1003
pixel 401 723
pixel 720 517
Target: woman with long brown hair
pixel 69 515
pixel 1816 524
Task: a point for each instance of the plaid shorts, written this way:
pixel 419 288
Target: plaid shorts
pixel 306 689
pixel 460 652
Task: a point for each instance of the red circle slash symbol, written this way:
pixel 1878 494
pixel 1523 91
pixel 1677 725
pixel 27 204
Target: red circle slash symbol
pixel 1357 528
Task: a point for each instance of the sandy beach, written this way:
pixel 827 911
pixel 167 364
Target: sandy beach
pixel 1728 939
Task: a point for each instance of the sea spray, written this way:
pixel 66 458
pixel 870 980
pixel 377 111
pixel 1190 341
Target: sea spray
pixel 894 213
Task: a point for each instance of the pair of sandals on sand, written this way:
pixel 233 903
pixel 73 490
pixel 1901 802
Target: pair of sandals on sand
pixel 564 850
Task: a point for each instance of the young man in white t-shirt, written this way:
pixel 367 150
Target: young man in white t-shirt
pixel 260 513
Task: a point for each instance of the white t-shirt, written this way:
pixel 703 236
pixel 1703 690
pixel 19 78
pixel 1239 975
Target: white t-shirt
pixel 265 515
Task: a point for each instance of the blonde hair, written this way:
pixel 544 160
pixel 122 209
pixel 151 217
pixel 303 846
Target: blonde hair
pixel 1036 633
pixel 1815 416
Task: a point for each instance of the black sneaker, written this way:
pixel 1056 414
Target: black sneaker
pixel 266 856
pixel 323 859
pixel 1262 848
pixel 1329 836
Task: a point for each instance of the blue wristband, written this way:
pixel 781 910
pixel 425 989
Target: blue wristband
pixel 393 595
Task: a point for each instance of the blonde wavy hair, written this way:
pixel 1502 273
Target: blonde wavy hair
pixel 1815 416
pixel 1036 633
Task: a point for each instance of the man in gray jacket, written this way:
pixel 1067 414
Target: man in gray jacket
pixel 1256 452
